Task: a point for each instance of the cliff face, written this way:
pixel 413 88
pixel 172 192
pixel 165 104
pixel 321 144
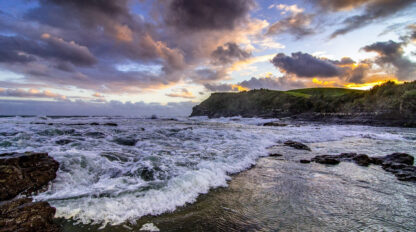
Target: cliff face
pixel 387 102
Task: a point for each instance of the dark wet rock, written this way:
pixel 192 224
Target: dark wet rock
pixel 25 173
pixel 326 159
pixel 400 164
pixel 297 145
pixel 63 141
pixel 126 141
pixel 147 174
pixel 23 215
pixel 110 124
pixel 95 134
pixel 401 158
pixel 153 116
pixel 274 124
pixel 362 160
pixel 94 124
pixel 275 155
pixel 303 161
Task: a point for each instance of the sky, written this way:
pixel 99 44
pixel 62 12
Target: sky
pixel 143 57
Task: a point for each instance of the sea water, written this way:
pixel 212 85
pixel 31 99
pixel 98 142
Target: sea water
pixel 118 174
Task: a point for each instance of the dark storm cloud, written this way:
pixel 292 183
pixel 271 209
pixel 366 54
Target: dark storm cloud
pixel 207 14
pixel 297 25
pixel 305 65
pixel 19 49
pixel 229 53
pixel 392 53
pixel 373 10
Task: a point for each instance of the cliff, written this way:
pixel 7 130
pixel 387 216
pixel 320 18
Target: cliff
pixel 386 104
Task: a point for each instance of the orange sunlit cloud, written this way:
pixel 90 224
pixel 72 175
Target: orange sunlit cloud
pixel 369 85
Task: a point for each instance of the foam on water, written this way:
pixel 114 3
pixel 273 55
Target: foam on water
pixel 171 164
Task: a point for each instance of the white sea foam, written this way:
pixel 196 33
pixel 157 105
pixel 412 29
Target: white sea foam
pixel 172 163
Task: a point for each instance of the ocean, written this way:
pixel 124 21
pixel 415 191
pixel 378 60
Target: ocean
pixel 198 174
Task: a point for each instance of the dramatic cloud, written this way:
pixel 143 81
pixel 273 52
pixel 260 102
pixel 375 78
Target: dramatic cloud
pixel 183 93
pixel 229 53
pixel 223 87
pixel 207 14
pixel 391 53
pixel 305 65
pixel 19 49
pixel 270 82
pixel 31 93
pixel 373 10
pixel 207 75
pixel 275 83
pixel 297 24
pixel 12 107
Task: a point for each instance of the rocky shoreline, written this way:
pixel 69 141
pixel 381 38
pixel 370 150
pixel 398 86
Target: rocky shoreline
pixel 22 174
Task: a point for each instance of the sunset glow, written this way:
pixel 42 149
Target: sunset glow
pixel 181 51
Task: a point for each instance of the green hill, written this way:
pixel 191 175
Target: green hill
pixel 388 101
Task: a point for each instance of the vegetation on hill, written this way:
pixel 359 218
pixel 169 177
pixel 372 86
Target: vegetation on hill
pixel 387 101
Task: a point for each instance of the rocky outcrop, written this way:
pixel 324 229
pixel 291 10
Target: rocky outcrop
pixel 400 164
pixel 27 216
pixel 297 145
pixel 278 124
pixel 25 173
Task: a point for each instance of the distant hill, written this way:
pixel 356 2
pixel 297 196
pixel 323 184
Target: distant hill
pixel 386 104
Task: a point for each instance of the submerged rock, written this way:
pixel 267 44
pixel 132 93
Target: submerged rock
pixel 25 173
pixel 400 164
pixel 297 145
pixel 274 124
pixel 126 141
pixel 110 124
pixel 63 141
pixel 25 215
pixel 326 159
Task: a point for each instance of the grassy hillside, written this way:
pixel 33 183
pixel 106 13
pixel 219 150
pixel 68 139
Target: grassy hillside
pixel 388 100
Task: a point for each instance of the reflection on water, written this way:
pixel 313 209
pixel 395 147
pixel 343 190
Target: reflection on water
pixel 281 194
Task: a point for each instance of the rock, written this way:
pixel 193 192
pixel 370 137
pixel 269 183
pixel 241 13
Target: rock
pixel 147 174
pixel 125 141
pixel 110 124
pixel 401 158
pixel 95 134
pixel 400 164
pixel 297 145
pixel 275 155
pixel 63 141
pixel 94 124
pixel 303 161
pixel 25 173
pixel 362 160
pixel 25 215
pixel 326 159
pixel 274 124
